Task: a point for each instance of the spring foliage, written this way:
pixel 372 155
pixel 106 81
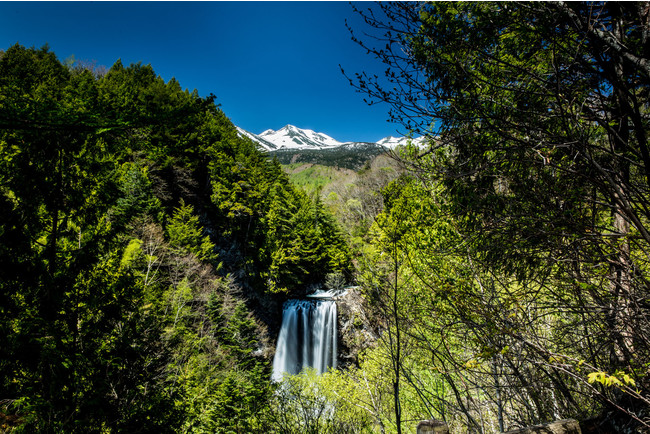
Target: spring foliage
pixel 126 205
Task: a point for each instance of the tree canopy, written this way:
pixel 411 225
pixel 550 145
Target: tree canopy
pixel 537 118
pixel 131 217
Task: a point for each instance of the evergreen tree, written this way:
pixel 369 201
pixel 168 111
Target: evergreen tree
pixel 110 321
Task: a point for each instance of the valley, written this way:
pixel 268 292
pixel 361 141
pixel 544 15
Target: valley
pixel 162 270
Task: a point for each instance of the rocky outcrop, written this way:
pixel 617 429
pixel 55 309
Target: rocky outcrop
pixel 355 330
pixel 432 427
pixel 566 426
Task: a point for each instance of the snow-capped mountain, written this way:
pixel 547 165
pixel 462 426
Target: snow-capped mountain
pixel 290 137
pixel 269 146
pixel 393 142
pixel 293 138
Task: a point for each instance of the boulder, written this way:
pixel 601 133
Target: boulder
pixel 432 426
pixel 566 426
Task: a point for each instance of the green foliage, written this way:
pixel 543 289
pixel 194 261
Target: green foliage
pixel 277 227
pixel 313 177
pixel 356 200
pixel 536 177
pixel 303 242
pixel 136 198
pixel 184 232
pixel 108 321
pixel 309 403
pixel 450 331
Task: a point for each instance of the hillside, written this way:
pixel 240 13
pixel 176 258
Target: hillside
pixel 147 249
pixel 314 177
pixel 352 157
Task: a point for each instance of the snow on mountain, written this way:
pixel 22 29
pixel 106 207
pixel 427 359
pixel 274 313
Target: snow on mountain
pixel 294 138
pixel 265 144
pixel 290 137
pixel 393 142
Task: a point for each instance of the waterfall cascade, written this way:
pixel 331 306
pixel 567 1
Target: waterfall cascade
pixel 308 337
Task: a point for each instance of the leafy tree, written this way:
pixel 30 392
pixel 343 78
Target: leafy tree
pixel 115 315
pixel 136 196
pixel 54 177
pixel 98 309
pixel 311 403
pixel 537 116
pixel 391 284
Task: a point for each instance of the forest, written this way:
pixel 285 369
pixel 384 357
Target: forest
pixel 501 269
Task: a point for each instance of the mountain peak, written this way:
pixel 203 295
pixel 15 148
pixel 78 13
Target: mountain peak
pixel 286 128
pixel 291 137
pixel 391 142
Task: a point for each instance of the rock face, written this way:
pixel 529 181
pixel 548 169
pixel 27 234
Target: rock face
pixel 566 426
pixel 432 427
pixel 355 331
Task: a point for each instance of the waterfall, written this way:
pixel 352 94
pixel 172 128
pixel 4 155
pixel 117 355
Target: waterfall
pixel 308 337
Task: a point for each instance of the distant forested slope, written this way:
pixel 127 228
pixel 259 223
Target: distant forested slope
pixel 345 157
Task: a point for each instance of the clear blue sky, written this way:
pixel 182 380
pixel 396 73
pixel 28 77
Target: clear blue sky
pixel 269 63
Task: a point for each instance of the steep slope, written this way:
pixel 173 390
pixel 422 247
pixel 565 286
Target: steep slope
pixel 141 270
pixel 315 177
pixel 266 145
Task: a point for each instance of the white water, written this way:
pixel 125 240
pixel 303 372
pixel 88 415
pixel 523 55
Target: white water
pixel 308 338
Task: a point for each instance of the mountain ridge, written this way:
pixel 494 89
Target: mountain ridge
pixel 292 138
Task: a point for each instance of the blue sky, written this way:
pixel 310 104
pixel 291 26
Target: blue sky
pixel 269 63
